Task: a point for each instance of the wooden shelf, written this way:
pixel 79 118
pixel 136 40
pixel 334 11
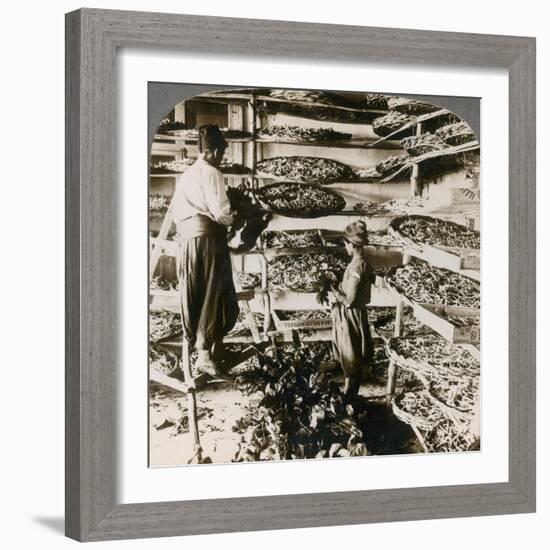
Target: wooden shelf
pixel 285 336
pixel 241 339
pixel 318 104
pixel 360 181
pixel 434 316
pixel 168 137
pixel 441 259
pixel 342 144
pixel 225 174
pixel 165 175
pixel 281 299
pixel 213 96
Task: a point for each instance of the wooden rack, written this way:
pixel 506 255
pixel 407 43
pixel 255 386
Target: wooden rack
pixel 248 151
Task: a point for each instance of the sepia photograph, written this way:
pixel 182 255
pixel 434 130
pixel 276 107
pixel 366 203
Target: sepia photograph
pixel 314 275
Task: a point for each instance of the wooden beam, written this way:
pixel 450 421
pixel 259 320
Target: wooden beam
pixel 191 397
pixel 390 386
pixel 162 236
pixel 168 381
pixel 245 308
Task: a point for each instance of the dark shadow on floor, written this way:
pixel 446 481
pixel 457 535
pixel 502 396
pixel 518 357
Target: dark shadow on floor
pixel 54 524
pixel 384 434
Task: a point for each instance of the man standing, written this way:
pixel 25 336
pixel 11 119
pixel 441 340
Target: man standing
pixel 202 214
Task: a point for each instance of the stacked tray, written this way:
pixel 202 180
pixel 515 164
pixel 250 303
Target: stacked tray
pixel 292 241
pixel 457 133
pixel 435 430
pixel 302 319
pixel 392 122
pixel 449 373
pixel 423 143
pixel 287 133
pixel 303 169
pixel 411 106
pixel 300 200
pixel 443 243
pixel 457 325
pixel 420 283
pixel 312 104
pixel 303 272
pixel 418 409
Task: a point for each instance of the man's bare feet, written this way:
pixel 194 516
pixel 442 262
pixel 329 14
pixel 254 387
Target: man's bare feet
pixel 206 365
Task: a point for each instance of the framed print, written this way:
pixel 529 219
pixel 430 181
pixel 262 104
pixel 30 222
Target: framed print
pixel 300 166
pixel 300 286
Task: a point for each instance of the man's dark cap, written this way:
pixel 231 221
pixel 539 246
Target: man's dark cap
pixel 211 138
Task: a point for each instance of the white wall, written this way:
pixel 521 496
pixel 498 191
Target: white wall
pixel 32 226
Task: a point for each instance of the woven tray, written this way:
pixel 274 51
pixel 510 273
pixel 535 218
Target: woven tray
pixel 469 257
pixel 423 372
pixel 411 106
pixel 387 124
pixel 299 164
pixel 420 422
pixel 424 143
pixel 456 134
pixel 306 212
pixel 316 112
pixel 393 164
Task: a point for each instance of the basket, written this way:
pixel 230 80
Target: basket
pixel 302 272
pixel 376 101
pixel 298 134
pixel 426 374
pixel 314 208
pixel 392 164
pixel 395 290
pixel 319 242
pixel 413 302
pixel 411 106
pixel 462 257
pixel 420 422
pixel 458 133
pixel 316 112
pixel 307 96
pixel 423 143
pixel 385 125
pixel 300 169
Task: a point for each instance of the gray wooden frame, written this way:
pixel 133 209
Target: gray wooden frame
pixel 92 39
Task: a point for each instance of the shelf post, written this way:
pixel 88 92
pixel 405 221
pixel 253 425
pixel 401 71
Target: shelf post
pixel 253 141
pixel 191 399
pixel 266 296
pixel 390 386
pixel 415 189
pixel 397 329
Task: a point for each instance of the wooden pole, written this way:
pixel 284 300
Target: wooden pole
pixel 255 118
pixel 397 329
pixel 162 236
pixel 390 386
pixel 415 189
pixel 191 399
pixel 168 381
pixel 266 296
pixel 420 438
pixel 247 312
pixel 397 332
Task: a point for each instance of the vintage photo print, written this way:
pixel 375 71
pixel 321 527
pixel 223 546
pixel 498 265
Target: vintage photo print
pixel 314 274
